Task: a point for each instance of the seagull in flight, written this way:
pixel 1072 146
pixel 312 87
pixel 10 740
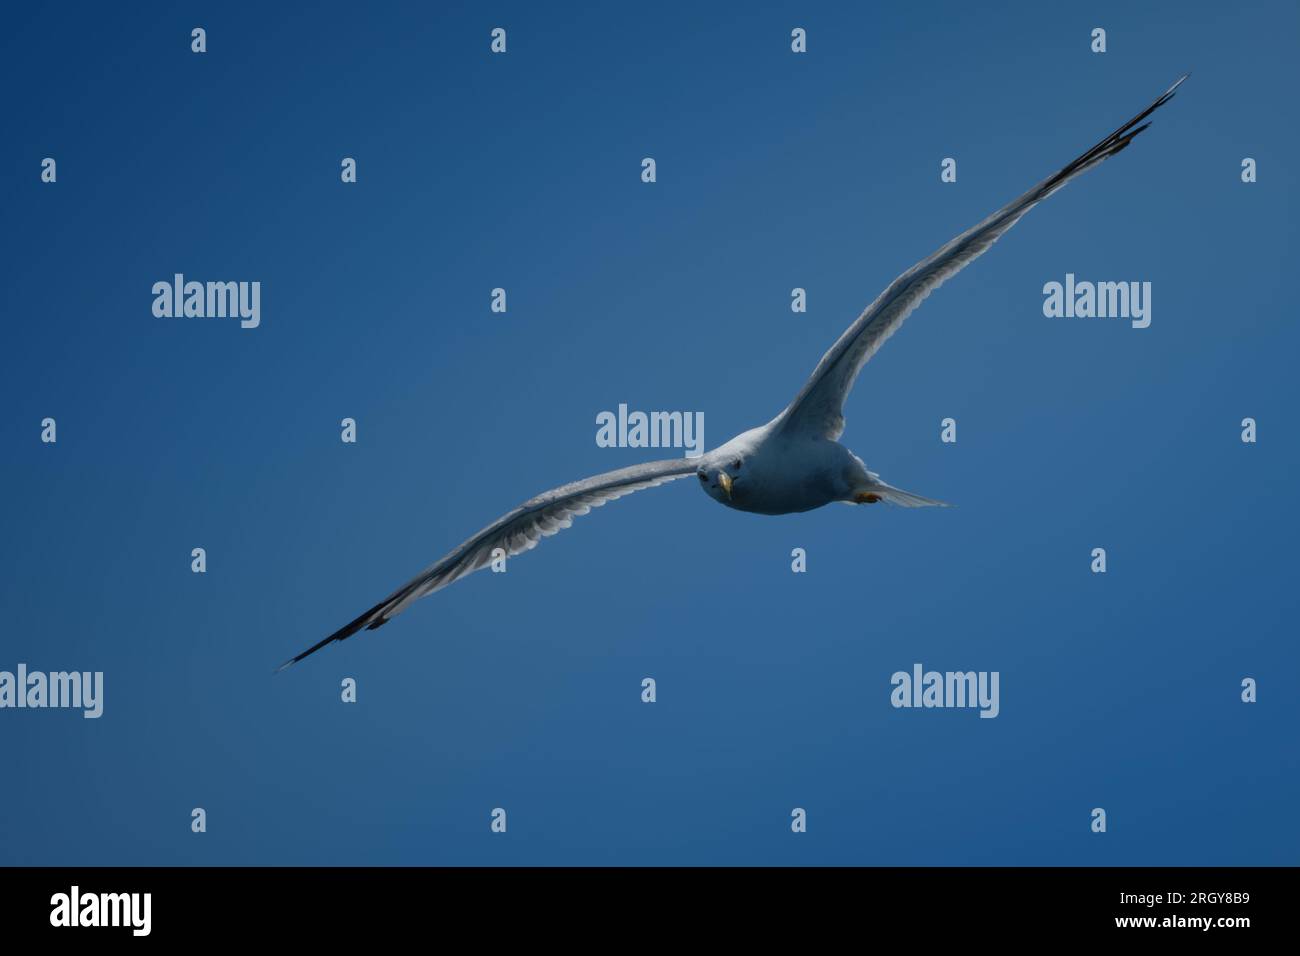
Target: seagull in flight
pixel 793 463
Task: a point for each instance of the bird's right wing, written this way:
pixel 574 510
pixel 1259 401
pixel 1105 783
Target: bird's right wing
pixel 818 409
pixel 513 533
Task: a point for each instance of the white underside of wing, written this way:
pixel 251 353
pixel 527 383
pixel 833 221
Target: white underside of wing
pixel 818 408
pixel 541 517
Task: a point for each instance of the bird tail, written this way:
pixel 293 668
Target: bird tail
pixel 879 491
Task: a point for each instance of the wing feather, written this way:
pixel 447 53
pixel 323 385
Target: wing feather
pixel 818 409
pixel 516 532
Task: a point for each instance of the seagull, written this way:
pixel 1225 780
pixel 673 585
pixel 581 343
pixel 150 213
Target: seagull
pixel 795 462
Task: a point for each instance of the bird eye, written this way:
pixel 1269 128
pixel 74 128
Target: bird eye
pixel 703 476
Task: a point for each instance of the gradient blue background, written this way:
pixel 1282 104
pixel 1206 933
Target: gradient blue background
pixel 523 690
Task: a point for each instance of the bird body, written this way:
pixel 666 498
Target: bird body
pixel 792 464
pixel 770 471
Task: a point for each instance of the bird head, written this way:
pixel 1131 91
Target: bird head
pixel 719 478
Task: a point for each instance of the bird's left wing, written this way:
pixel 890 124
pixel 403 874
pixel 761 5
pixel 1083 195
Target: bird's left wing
pixel 513 533
pixel 818 408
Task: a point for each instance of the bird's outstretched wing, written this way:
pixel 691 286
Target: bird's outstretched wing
pixel 818 408
pixel 518 531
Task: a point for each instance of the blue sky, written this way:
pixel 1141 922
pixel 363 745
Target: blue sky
pixel 522 690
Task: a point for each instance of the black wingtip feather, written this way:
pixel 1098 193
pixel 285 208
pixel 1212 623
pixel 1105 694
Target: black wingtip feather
pixel 342 634
pixel 1117 140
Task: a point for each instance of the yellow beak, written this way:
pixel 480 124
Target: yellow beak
pixel 724 482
